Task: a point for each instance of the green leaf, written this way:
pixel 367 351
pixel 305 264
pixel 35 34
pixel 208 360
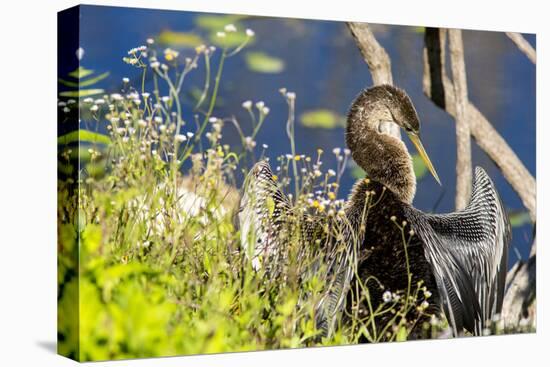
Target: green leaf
pixel 81 72
pixel 81 93
pixel 217 22
pixel 419 166
pixel 401 334
pixel 263 63
pixel 84 83
pixel 83 135
pixel 179 39
pixel 519 218
pixel 321 118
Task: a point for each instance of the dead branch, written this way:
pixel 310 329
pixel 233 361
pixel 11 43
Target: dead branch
pixel 374 55
pixel 439 88
pixel 463 148
pixel 523 46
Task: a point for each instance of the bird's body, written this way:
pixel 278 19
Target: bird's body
pixel 458 259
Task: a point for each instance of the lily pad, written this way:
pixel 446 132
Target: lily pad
pixel 217 22
pixel 261 62
pixel 83 135
pixel 231 39
pixel 81 72
pixel 322 118
pixel 179 39
pixel 519 218
pixel 81 93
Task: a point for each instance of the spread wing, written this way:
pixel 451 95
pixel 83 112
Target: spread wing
pixel 264 217
pixel 468 251
pixel 262 212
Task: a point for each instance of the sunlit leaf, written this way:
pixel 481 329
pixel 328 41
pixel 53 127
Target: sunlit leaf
pixel 81 72
pixel 519 218
pixel 263 63
pixel 81 93
pixel 419 166
pixel 84 83
pixel 179 39
pixel 322 118
pixel 83 135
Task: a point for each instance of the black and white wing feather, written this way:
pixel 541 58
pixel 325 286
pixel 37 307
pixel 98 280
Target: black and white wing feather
pixel 266 215
pixel 263 208
pixel 468 251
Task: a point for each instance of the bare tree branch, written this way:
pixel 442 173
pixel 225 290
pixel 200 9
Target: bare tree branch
pixel 374 55
pixel 523 46
pixel 463 148
pixel 440 89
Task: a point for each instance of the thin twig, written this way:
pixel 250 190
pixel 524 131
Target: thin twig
pixel 375 56
pixel 463 148
pixel 523 46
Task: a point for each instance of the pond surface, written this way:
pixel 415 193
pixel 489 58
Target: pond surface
pixel 324 67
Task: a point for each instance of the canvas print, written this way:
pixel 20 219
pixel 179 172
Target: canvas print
pixel 233 183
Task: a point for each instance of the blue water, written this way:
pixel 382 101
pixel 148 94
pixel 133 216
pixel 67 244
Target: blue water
pixel 325 69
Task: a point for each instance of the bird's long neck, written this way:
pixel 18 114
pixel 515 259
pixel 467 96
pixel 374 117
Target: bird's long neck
pixel 384 158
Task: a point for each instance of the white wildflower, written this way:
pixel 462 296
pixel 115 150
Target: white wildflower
pixel 331 172
pixel 230 28
pixel 386 297
pixel 247 104
pixel 181 138
pixel 125 80
pixel 249 32
pixel 220 34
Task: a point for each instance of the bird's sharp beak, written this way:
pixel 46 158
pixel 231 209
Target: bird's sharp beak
pixel 422 152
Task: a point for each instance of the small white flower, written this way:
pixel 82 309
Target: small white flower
pixel 190 135
pixel 71 101
pixel 291 95
pixel 80 53
pixel 127 122
pixel 336 151
pixel 331 172
pixel 142 123
pixel 212 119
pixel 347 151
pixel 249 32
pixel 220 34
pixel 66 109
pixel 88 100
pixel 116 97
pixel 145 95
pixel 125 80
pixel 230 28
pixel 260 105
pixel 386 297
pixel 181 138
pixel 162 128
pixel 247 104
pixel 165 99
pixel 94 108
pixel 155 64
pixel 150 41
pixel 265 146
pixel 265 110
pixel 158 119
pixel 121 130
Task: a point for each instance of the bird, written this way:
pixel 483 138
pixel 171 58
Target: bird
pixel 459 258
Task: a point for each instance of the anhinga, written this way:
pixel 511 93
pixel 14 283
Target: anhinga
pixel 460 257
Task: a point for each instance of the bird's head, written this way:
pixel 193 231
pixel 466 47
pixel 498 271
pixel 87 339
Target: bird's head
pixel 377 115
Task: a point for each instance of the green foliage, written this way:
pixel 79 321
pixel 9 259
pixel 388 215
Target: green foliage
pixel 179 39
